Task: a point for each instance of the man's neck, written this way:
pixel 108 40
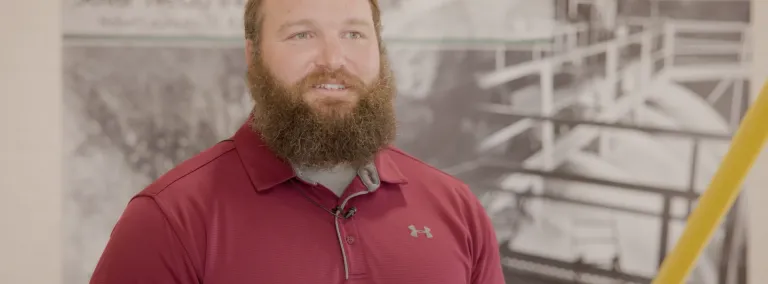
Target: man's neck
pixel 336 178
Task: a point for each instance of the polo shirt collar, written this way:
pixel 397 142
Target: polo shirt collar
pixel 267 170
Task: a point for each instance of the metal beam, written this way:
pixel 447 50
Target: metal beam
pixel 580 136
pixel 577 268
pixel 719 90
pixel 495 78
pixel 704 72
pixel 517 275
pixel 711 49
pixel 227 41
pixel 555 198
pixel 663 191
pixel 500 109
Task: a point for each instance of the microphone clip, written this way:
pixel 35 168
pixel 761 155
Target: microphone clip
pixel 351 212
pixel 340 213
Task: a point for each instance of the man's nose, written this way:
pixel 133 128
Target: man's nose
pixel 332 55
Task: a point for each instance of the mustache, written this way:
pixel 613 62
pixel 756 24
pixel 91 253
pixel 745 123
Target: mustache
pixel 338 76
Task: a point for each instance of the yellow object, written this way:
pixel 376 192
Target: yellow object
pixel 722 192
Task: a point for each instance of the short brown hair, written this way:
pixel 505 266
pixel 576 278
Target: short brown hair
pixel 252 19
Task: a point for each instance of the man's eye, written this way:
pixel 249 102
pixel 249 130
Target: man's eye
pixel 353 35
pixel 302 35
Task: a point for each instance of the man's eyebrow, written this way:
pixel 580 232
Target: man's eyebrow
pixel 358 22
pixel 288 25
pixel 310 23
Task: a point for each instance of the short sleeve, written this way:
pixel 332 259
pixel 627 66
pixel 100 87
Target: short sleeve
pixel 143 248
pixel 486 267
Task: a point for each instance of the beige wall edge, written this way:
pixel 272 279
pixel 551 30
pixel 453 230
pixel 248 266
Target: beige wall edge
pixel 757 182
pixel 30 141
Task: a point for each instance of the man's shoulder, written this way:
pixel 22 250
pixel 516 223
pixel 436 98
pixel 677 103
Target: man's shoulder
pixel 197 170
pixel 415 168
pixel 438 187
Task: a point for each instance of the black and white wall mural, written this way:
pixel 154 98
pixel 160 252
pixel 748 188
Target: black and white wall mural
pixel 587 128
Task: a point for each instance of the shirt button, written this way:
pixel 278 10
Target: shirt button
pixel 350 240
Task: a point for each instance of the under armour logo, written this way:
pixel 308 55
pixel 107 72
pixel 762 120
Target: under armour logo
pixel 415 233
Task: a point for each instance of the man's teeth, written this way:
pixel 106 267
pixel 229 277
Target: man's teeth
pixel 330 86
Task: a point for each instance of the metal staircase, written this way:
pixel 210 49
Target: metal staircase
pixel 637 67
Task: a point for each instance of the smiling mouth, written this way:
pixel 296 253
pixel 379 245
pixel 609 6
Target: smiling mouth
pixel 330 87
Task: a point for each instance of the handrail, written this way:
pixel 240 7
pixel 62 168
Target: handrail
pixel 663 191
pixel 674 27
pixel 507 111
pixel 498 77
pixel 583 268
pixel 592 204
pixel 720 195
pixel 647 61
pixel 710 26
pixel 694 24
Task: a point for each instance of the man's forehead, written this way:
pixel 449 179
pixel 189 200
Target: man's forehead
pixel 346 11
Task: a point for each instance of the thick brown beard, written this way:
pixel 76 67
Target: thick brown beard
pixel 308 138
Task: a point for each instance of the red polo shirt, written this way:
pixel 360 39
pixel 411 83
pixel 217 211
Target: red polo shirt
pixel 237 214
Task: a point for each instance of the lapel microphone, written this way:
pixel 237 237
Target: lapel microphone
pixel 369 176
pixel 351 212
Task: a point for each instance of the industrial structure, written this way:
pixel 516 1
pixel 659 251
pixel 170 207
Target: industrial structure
pixel 593 134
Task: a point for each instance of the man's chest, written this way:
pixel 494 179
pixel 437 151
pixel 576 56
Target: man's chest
pixel 306 244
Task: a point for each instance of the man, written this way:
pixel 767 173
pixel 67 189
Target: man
pixel 308 190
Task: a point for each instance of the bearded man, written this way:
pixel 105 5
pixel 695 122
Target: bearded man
pixel 309 190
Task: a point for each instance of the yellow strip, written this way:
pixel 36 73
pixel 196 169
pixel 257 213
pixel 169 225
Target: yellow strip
pixel 723 190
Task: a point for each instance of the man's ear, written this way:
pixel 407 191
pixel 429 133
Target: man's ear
pixel 248 51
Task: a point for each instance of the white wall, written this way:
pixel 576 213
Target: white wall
pixel 30 142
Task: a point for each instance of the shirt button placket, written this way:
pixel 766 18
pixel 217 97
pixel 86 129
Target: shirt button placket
pixel 355 254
